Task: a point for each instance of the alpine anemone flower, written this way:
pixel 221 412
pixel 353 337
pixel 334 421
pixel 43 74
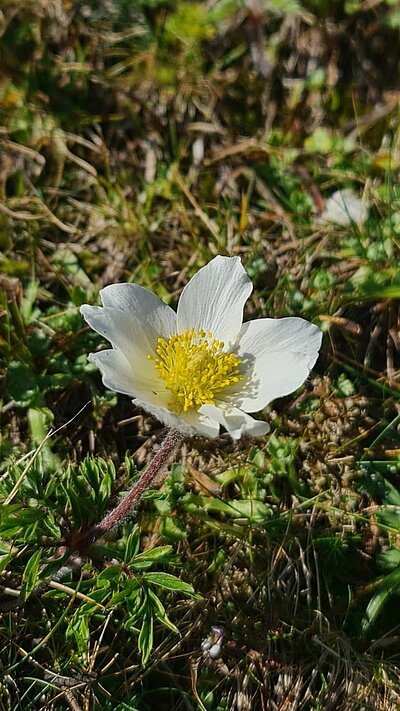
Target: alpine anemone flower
pixel 201 367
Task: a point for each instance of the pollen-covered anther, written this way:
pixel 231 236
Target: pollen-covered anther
pixel 195 368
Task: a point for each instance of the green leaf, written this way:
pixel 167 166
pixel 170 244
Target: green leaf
pixel 392 493
pixel 169 582
pixel 229 475
pixel 127 592
pixel 152 555
pixel 99 551
pixel 54 566
pixel 159 611
pixel 112 572
pixel 30 576
pixel 22 385
pixel 15 520
pixel 169 529
pixel 90 471
pixel 145 640
pixel 380 488
pixel 389 587
pixel 28 302
pixel 384 292
pixel 389 516
pixel 4 560
pixel 76 506
pixel 106 487
pixel 388 560
pixel 132 545
pixel 50 525
pixel 78 628
pixel 253 509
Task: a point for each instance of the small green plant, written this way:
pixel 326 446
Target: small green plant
pixel 376 482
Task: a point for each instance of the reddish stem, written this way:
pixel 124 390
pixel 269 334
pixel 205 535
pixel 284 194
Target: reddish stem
pixel 114 517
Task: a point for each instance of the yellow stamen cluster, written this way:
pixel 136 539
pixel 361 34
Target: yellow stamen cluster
pixel 194 368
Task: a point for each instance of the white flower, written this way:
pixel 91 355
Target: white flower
pixel 201 367
pixel 343 208
pixel 211 646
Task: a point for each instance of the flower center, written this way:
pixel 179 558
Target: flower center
pixel 194 368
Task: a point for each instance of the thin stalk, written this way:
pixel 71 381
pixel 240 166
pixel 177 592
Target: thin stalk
pixel 114 517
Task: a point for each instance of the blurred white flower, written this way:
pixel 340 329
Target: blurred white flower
pixel 198 150
pixel 344 207
pixel 201 367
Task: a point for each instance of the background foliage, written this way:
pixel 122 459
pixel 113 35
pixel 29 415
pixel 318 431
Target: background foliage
pixel 138 140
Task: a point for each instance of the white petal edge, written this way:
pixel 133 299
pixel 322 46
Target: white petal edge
pixel 236 422
pixel 118 375
pixel 156 317
pixel 193 423
pixel 278 355
pixel 214 298
pixel 125 333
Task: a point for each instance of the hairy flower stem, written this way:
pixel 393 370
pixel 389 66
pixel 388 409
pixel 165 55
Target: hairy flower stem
pixel 114 517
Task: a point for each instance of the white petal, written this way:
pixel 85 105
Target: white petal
pixel 344 207
pixel 115 370
pixel 118 375
pixel 156 317
pixel 163 414
pixel 126 333
pixel 278 355
pixel 202 424
pixel 236 422
pixel 214 298
pixel 190 423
